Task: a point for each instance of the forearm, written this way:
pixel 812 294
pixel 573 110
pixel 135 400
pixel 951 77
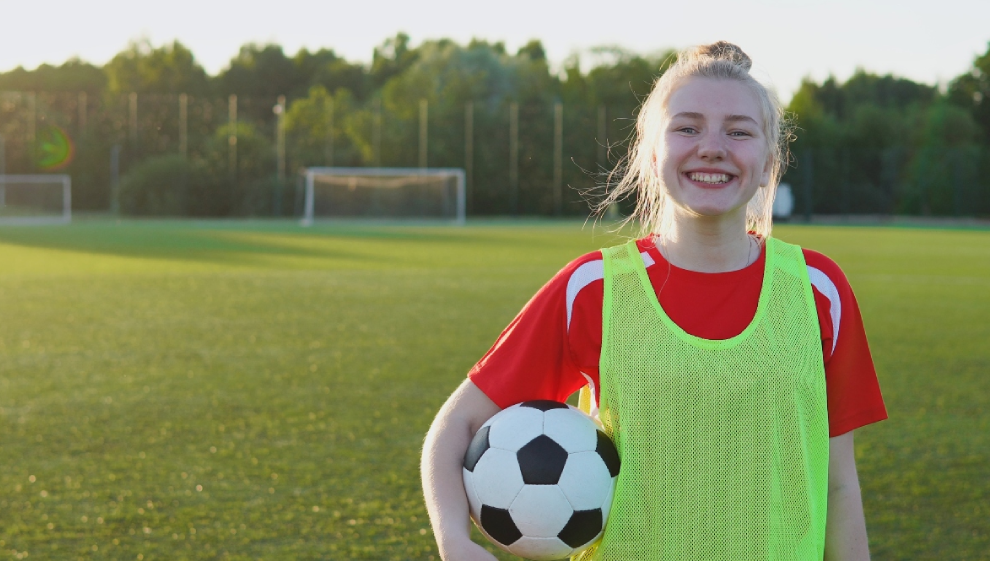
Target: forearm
pixel 442 482
pixel 845 524
pixel 443 456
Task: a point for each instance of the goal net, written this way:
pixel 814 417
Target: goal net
pixel 430 193
pixel 35 199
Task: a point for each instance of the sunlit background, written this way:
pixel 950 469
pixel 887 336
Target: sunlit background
pixel 918 39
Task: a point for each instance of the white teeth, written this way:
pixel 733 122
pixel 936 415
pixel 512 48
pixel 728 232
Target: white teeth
pixel 709 177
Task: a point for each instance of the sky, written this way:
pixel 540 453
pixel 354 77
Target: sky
pixel 925 41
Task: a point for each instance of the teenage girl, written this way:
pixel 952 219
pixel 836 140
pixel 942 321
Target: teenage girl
pixel 730 368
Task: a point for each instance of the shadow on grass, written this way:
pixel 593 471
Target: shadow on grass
pixel 243 242
pixel 232 243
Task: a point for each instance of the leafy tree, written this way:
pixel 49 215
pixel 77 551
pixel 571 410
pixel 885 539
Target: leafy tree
pixel 312 139
pixel 169 69
pixel 261 71
pixel 214 191
pixel 391 58
pixel 972 91
pixel 72 76
pixel 324 68
pixel 945 163
pixel 856 140
pixel 618 78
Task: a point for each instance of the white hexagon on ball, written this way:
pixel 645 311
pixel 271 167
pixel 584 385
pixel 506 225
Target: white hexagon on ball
pixel 514 426
pixel 499 469
pixel 571 428
pixel 474 503
pixel 542 549
pixel 540 511
pixel 585 480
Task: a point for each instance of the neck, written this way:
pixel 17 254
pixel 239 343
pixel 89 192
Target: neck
pixel 710 244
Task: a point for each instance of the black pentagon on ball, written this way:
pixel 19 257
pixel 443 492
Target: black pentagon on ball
pixel 543 404
pixel 583 526
pixel 479 444
pixel 608 453
pixel 499 525
pixel 541 461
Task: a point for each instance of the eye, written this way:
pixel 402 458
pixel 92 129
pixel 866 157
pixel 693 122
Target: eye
pixel 739 134
pixel 687 130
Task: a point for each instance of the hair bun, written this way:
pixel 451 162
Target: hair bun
pixel 724 50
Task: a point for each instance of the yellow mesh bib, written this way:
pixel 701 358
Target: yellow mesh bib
pixel 724 444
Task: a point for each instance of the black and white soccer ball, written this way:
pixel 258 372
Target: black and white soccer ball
pixel 540 476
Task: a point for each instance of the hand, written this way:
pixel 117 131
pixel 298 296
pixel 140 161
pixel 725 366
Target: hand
pixel 465 551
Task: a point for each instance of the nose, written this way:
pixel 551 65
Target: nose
pixel 711 146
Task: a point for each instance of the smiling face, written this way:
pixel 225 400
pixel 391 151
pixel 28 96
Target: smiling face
pixel 714 154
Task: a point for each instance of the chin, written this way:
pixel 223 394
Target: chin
pixel 712 211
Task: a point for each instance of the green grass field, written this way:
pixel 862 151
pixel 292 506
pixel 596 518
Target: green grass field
pixel 183 390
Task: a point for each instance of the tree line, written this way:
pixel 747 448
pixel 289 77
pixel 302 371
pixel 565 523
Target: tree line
pixel 189 143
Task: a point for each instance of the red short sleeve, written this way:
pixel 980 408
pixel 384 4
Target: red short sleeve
pixel 854 398
pixel 531 358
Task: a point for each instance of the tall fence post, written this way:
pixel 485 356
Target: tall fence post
pixel 132 121
pixel 558 158
pixel 468 153
pixel 808 177
pixel 32 130
pixel 83 110
pixel 424 112
pixel 115 179
pixel 957 183
pixel 329 139
pixel 376 133
pixel 232 136
pixel 514 158
pixel 184 125
pixel 846 187
pixel 279 154
pixel 602 138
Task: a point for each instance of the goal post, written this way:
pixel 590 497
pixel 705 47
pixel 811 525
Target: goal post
pixel 35 199
pixel 338 192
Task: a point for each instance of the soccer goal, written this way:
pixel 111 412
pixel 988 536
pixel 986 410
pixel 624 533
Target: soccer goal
pixel 35 199
pixel 386 193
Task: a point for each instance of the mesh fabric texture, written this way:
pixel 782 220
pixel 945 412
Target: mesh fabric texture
pixel 724 444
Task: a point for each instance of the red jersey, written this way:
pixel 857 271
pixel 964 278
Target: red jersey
pixel 553 346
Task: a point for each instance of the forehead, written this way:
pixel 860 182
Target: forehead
pixel 714 99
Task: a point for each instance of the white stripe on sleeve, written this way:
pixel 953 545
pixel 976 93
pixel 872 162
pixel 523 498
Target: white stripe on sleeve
pixel 588 273
pixel 825 285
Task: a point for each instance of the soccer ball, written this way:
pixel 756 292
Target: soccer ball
pixel 539 477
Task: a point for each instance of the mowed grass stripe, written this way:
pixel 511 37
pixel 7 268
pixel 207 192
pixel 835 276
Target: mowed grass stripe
pixel 189 391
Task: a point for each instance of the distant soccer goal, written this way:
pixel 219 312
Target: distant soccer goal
pixel 403 193
pixel 35 199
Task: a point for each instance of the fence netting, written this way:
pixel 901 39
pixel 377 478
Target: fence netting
pixel 187 155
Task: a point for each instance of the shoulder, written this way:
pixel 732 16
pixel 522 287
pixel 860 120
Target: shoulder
pixel 588 272
pixel 826 275
pixel 833 297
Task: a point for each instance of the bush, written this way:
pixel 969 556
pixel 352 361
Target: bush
pixel 158 186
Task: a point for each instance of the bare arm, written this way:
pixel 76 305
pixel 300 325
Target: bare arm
pixel 443 484
pixel 845 526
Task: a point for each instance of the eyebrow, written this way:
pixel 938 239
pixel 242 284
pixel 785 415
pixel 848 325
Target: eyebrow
pixel 729 118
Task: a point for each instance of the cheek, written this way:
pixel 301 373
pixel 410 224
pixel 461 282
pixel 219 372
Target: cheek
pixel 667 158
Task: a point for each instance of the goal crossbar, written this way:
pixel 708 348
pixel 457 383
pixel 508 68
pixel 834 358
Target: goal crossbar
pixel 38 179
pixel 360 176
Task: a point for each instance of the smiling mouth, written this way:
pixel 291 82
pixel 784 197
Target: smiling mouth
pixel 710 178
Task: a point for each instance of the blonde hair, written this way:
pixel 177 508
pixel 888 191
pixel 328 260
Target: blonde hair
pixel 637 171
